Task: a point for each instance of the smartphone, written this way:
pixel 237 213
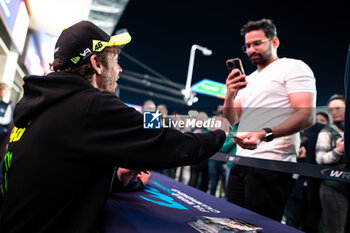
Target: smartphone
pixel 235 63
pixel 236 138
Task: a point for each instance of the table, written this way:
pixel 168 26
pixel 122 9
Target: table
pixel 166 205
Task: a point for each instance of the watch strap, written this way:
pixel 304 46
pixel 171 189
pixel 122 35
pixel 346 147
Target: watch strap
pixel 269 134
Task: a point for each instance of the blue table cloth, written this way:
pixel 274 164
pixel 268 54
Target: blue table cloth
pixel 166 205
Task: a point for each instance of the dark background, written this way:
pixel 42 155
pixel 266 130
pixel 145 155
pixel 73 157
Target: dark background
pixel 164 31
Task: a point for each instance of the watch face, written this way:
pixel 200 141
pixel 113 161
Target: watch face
pixel 269 136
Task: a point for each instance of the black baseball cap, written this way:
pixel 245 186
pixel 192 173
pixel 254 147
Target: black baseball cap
pixel 78 42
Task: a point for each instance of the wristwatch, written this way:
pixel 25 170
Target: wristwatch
pixel 268 135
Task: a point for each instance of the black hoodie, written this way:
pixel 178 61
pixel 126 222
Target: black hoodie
pixel 68 137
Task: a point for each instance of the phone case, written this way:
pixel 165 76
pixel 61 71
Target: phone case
pixel 233 64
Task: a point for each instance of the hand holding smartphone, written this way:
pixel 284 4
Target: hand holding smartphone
pixel 235 63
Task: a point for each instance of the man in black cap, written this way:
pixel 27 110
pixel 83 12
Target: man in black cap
pixel 71 131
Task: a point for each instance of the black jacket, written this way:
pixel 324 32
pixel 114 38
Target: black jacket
pixel 68 137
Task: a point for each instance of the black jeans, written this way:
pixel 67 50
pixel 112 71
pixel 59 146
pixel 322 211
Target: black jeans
pixel 262 191
pixel 335 209
pixel 303 214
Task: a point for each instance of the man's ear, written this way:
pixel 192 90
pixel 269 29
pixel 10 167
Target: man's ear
pixel 275 42
pixel 96 65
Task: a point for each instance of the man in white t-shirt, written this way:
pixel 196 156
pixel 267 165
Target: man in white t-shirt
pixel 271 106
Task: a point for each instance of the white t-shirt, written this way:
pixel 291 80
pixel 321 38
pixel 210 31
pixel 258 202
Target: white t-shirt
pixel 265 103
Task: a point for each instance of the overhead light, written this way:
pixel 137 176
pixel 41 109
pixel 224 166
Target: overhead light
pixel 46 16
pixel 105 9
pixel 104 24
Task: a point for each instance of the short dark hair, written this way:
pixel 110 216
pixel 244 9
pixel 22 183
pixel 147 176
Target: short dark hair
pixel 85 70
pixel 336 97
pixel 264 24
pixel 325 115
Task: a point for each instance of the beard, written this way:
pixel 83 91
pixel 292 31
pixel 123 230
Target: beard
pixel 109 85
pixel 259 59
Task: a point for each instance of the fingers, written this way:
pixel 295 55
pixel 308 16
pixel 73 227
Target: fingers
pixel 131 173
pixel 300 150
pixel 236 85
pixel 249 144
pixel 139 174
pixel 234 73
pixel 134 176
pixel 236 80
pixel 145 177
pixel 301 153
pixel 237 140
pixel 148 174
pixel 247 141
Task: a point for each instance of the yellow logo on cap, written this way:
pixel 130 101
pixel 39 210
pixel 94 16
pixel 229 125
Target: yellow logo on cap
pixel 75 59
pixel 98 45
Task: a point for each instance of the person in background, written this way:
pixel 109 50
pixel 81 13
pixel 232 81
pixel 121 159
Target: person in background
pixel 149 105
pixel 347 126
pixel 199 172
pixel 272 105
pixel 322 118
pixel 330 151
pixel 5 118
pixel 162 108
pixel 303 209
pixel 183 173
pixel 71 131
pixel 219 169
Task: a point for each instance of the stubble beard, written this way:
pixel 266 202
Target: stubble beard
pixel 262 58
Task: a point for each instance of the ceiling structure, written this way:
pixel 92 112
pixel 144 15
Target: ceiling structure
pixel 106 13
pixel 48 18
pixel 52 16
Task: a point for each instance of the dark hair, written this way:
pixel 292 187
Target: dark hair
pixel 264 24
pixel 325 115
pixel 85 70
pixel 336 97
